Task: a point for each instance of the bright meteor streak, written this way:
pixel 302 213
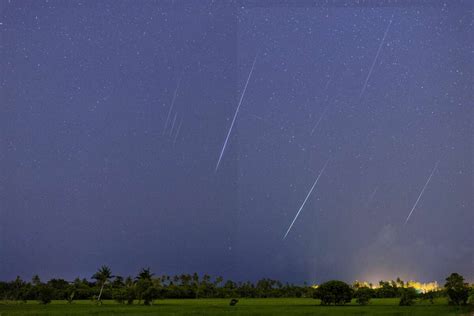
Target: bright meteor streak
pixel 306 199
pixel 235 114
pixel 375 59
pixel 171 107
pixel 423 190
pixel 177 132
pixel 172 124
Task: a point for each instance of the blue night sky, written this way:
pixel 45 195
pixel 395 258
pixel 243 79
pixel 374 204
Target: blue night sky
pixel 113 115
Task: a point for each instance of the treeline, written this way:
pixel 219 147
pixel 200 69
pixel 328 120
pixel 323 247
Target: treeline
pixel 145 287
pixel 339 293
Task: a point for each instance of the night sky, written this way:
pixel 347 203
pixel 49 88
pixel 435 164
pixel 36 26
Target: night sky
pixel 113 115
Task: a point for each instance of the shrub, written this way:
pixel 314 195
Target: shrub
pixel 334 292
pixel 120 295
pixel 470 300
pixel 408 296
pixel 363 295
pixel 45 294
pixel 233 302
pixel 150 294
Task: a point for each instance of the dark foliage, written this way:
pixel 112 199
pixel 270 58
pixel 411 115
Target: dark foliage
pixel 147 288
pixel 457 290
pixel 363 295
pixel 334 292
pixel 45 293
pixel 408 296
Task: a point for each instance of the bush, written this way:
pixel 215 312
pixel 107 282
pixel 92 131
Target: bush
pixel 149 295
pixel 334 292
pixel 470 300
pixel 408 296
pixel 363 295
pixel 233 302
pixel 45 294
pixel 120 295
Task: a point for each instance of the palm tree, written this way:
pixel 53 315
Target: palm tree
pixel 144 283
pixel 102 276
pixel 145 274
pixel 36 280
pixel 218 281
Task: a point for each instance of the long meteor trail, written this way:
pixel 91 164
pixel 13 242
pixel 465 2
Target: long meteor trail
pixel 172 124
pixel 375 59
pixel 177 132
pixel 422 191
pixel 325 102
pixel 306 199
pixel 172 105
pixel 235 115
pixel 319 121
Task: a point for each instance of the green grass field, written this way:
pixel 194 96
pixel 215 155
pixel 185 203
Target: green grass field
pixel 283 306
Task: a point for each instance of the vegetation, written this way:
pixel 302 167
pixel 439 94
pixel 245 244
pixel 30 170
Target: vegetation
pixel 334 292
pixel 245 307
pixel 145 289
pixel 102 276
pixel 456 289
pixel 408 297
pixel 45 293
pixel 363 295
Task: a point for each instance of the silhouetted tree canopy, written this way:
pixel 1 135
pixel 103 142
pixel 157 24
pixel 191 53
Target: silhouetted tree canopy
pixel 457 290
pixel 334 292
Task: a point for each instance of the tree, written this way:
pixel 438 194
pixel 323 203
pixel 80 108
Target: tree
pixel 457 290
pixel 71 293
pixel 408 296
pixel 363 295
pixel 45 294
pixel 130 293
pixel 145 274
pixel 400 282
pixel 334 292
pixel 386 290
pixel 36 280
pixel 150 294
pixel 102 276
pixel 145 288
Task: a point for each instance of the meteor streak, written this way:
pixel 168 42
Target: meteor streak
pixel 171 107
pixel 375 59
pixel 235 114
pixel 325 110
pixel 421 193
pixel 172 124
pixel 304 202
pixel 319 121
pixel 177 132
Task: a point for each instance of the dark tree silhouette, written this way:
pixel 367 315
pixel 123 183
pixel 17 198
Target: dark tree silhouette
pixel 102 276
pixel 457 290
pixel 408 296
pixel 334 292
pixel 363 295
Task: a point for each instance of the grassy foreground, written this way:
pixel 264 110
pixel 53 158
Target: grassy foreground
pixel 282 306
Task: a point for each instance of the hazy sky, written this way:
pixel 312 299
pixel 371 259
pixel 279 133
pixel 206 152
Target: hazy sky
pixel 113 115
